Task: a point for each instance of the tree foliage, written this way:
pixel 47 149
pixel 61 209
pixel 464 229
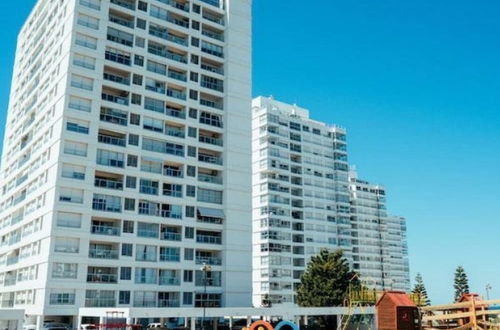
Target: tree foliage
pixel 325 282
pixel 420 291
pixel 461 284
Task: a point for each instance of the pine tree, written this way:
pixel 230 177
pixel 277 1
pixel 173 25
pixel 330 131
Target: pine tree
pixel 461 283
pixel 420 291
pixel 325 283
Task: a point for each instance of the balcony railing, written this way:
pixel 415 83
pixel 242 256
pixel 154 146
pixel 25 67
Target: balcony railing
pixel 114 98
pixel 208 239
pixel 175 113
pixel 210 140
pixel 214 261
pixel 105 230
pixel 210 159
pixel 209 178
pixel 106 183
pixel 176 94
pixel 172 172
pixel 169 281
pixel 116 78
pixel 118 58
pixel 168 236
pixel 168 303
pixel 99 253
pixel 102 278
pixel 100 302
pixel 108 139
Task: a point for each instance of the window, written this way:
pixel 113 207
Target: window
pixel 129 204
pixel 142 6
pixel 107 203
pixel 80 104
pixel 93 4
pixel 128 226
pixel 88 21
pixel 82 82
pixel 86 41
pixel 139 60
pixel 188 254
pixel 135 119
pixel 187 298
pixel 190 191
pixel 196 8
pixel 195 59
pixel 136 99
pixel 195 25
pixel 141 24
pixel 192 132
pixel 124 298
pixel 195 42
pixel 152 124
pixel 191 151
pixel 63 270
pixel 189 232
pixel 191 171
pixel 133 140
pixel 209 196
pixel 145 253
pixel 140 42
pixel 127 249
pixel 130 182
pixel 71 171
pixel 77 126
pixel 69 220
pixel 137 79
pixel 126 273
pixel 83 61
pixel 146 276
pixel 71 195
pixel 64 298
pixel 188 276
pixel 193 95
pixel 132 160
pixel 110 158
pixel 66 245
pixel 190 211
pixel 193 113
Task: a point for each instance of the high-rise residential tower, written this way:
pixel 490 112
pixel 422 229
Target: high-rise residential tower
pixel 126 162
pixel 380 252
pixel 300 196
pixel 304 200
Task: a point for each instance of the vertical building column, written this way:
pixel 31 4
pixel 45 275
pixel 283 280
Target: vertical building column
pixel 193 323
pixel 39 322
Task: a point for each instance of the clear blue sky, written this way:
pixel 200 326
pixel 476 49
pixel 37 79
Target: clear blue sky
pixel 417 85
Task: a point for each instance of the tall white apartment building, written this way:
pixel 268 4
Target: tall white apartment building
pixel 305 199
pixel 380 252
pixel 126 162
pixel 300 196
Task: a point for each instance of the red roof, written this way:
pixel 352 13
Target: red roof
pixel 398 298
pixel 469 297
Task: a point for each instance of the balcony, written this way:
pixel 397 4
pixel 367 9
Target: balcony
pixel 177 75
pixel 178 20
pixel 114 77
pixel 209 239
pixel 123 100
pixel 215 3
pixel 176 94
pixel 173 171
pixel 209 260
pixel 214 139
pixel 176 4
pixel 202 177
pixel 102 275
pixel 171 236
pixel 168 303
pixel 211 159
pixel 91 302
pixel 168 279
pixel 104 228
pixel 103 252
pixel 174 112
pixel 103 182
pixel 211 103
pixel 213 68
pixel 175 131
pixel 112 139
pixel 119 18
pixel 124 3
pixel 118 57
pixel 213 18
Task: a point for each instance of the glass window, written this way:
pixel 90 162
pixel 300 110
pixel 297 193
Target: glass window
pixel 128 226
pixel 126 273
pixel 124 298
pixel 127 249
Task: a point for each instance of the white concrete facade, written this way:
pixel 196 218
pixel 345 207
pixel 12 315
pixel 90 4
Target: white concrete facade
pixel 126 160
pixel 300 196
pixel 380 251
pixel 304 200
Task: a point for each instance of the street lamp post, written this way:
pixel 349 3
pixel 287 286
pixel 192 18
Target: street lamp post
pixel 488 288
pixel 205 269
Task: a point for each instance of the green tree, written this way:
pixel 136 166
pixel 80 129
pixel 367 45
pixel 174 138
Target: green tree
pixel 420 291
pixel 461 284
pixel 325 283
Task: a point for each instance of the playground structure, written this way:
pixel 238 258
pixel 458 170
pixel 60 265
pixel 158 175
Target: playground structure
pixel 469 312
